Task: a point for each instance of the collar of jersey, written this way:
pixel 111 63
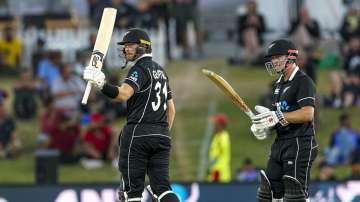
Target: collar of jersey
pixel 291 76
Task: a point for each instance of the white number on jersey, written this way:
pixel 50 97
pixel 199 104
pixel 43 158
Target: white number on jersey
pixel 156 104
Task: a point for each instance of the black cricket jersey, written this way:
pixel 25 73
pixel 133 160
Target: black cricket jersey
pixel 151 92
pixel 291 95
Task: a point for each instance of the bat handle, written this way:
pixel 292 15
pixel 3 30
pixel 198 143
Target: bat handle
pixel 86 93
pixel 250 114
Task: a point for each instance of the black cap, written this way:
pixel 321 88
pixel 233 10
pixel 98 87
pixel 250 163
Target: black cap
pixel 135 35
pixel 280 47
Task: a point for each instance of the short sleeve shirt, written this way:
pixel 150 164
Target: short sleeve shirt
pixel 291 95
pixel 151 92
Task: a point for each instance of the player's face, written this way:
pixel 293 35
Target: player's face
pixel 130 51
pixel 279 62
pixel 276 65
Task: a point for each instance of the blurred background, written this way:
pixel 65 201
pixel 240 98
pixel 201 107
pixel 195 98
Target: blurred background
pixel 54 149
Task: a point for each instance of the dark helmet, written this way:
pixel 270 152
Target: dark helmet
pixel 136 35
pixel 282 47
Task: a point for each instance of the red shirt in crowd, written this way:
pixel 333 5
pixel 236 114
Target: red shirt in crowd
pixel 100 138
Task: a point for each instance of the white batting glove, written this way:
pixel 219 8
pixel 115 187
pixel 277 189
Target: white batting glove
pixel 267 119
pixel 95 76
pixel 259 133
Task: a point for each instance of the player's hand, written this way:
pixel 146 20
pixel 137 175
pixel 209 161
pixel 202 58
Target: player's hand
pixel 95 76
pixel 259 133
pixel 267 119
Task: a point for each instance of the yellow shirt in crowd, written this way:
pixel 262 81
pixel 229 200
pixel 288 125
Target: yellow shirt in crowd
pixel 10 50
pixel 219 157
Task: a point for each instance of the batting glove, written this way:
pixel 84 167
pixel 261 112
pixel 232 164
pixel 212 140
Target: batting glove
pixel 95 76
pixel 259 133
pixel 268 119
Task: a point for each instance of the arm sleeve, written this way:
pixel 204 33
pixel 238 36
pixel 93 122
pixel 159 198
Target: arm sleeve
pixel 306 92
pixel 136 78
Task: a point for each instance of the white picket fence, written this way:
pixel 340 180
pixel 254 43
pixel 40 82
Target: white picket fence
pixel 68 41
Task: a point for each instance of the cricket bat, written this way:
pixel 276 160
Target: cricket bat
pixel 101 44
pixel 229 91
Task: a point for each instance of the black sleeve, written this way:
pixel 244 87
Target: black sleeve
pixel 136 78
pixel 306 92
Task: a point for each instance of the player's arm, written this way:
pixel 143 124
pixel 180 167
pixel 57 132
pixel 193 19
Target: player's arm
pixel 170 112
pixel 303 115
pixel 125 92
pixel 134 81
pixel 119 93
pixel 305 98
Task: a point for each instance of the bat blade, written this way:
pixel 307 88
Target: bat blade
pixel 101 46
pixel 229 91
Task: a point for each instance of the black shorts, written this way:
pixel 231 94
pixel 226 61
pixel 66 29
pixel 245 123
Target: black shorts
pixel 291 157
pixel 144 153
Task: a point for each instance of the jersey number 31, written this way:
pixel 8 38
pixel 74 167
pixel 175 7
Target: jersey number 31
pixel 156 104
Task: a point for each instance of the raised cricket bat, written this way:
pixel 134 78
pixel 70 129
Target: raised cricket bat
pixel 101 44
pixel 229 91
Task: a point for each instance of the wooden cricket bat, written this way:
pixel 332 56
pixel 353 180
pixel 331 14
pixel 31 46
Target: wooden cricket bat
pixel 101 44
pixel 229 91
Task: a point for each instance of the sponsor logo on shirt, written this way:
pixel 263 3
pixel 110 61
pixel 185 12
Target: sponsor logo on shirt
pixel 283 105
pixel 134 76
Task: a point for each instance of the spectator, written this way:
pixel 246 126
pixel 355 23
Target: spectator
pixel 219 151
pixel 351 24
pixel 67 91
pixel 343 142
pixel 351 90
pixel 10 51
pixel 345 85
pixel 305 31
pixel 47 123
pixel 25 106
pixel 250 28
pixel 9 142
pixel 186 11
pixel 162 8
pixel 248 172
pixel 355 165
pixel 326 172
pixel 125 14
pixel 307 64
pixel 145 16
pixel 96 8
pixel 98 141
pixel 64 133
pixel 38 55
pixel 48 71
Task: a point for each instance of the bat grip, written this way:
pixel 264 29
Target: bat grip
pixel 249 113
pixel 86 93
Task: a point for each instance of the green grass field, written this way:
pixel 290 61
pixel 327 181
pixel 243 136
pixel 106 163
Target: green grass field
pixel 193 94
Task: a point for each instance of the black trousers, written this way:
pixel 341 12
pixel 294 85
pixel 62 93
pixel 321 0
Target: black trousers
pixel 144 153
pixel 293 157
